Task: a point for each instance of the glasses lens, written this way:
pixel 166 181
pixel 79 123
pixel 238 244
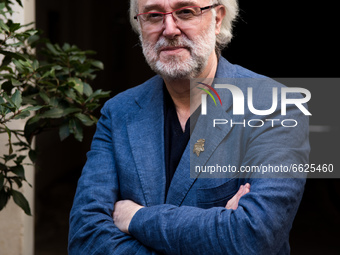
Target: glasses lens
pixel 185 18
pixel 152 17
pixel 151 21
pixel 188 16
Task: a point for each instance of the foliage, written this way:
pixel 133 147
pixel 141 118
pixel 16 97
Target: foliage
pixel 50 93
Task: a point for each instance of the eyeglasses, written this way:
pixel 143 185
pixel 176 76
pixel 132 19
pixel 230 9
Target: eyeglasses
pixel 184 17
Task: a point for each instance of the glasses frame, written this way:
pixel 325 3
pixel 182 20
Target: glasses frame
pixel 166 13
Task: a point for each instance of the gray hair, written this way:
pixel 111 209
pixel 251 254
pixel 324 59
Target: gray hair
pixel 222 39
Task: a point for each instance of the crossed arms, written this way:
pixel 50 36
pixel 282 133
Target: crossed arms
pixel 259 225
pixel 126 209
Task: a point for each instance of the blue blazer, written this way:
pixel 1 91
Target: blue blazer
pixel 126 161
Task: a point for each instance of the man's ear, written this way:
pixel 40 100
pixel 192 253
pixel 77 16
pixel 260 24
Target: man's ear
pixel 220 14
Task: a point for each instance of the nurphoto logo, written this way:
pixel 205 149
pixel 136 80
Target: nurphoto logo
pixel 240 102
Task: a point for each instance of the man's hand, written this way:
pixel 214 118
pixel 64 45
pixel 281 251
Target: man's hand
pixel 123 212
pixel 233 202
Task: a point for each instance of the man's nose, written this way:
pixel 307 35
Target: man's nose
pixel 171 28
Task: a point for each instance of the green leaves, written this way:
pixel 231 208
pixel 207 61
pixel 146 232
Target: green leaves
pixel 98 64
pixel 21 201
pixel 13 55
pixel 18 170
pixel 76 129
pixel 17 176
pixel 16 99
pixel 77 84
pixel 64 131
pixel 74 126
pixel 15 82
pixel 50 92
pixel 4 196
pixel 53 113
pixel 2 179
pixel 3 26
pixel 86 120
pixel 52 49
pixel 19 2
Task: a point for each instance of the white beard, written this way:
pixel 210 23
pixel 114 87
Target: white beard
pixel 174 67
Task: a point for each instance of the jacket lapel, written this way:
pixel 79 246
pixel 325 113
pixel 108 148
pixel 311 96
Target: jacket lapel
pixel 146 136
pixel 185 175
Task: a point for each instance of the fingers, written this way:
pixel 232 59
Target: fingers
pixel 233 202
pixel 246 189
pixel 240 191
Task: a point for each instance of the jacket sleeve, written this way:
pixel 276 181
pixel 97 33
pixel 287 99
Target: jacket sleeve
pixel 92 230
pixel 259 226
pixel 263 219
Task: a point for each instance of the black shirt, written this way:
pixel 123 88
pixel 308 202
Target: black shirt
pixel 175 140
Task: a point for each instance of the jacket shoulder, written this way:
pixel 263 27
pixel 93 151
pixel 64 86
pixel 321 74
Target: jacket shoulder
pixel 127 101
pixel 226 69
pixel 241 72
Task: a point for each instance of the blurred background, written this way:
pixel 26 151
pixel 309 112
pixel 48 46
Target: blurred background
pixel 274 38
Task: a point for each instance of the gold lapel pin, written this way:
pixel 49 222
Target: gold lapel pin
pixel 199 146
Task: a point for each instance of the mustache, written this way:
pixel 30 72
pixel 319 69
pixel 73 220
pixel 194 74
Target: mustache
pixel 177 42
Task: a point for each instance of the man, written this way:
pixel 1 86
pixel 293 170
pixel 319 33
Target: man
pixel 136 195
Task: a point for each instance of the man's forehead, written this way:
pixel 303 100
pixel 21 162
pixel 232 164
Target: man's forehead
pixel 151 4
